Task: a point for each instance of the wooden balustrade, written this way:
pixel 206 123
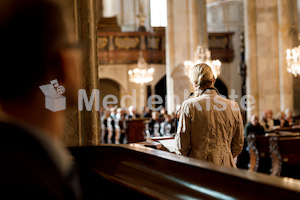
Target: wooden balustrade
pixel 125 47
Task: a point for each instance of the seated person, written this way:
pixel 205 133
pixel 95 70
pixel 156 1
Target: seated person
pixel 266 121
pixel 154 124
pixel 121 125
pixel 132 113
pixel 276 122
pixel 162 114
pixel 289 117
pixel 166 127
pixel 282 121
pixel 174 121
pixel 104 127
pixel 147 112
pixel 253 127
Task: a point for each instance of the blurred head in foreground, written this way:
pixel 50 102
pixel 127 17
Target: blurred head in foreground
pixel 36 47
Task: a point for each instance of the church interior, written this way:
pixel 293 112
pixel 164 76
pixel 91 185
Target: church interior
pixel 249 38
pixel 135 72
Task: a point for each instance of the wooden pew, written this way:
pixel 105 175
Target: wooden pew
pixel 136 172
pixel 275 153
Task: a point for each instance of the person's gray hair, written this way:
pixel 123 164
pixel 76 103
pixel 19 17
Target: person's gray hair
pixel 201 74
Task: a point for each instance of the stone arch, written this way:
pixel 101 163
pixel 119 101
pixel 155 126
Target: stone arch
pixel 109 87
pixel 117 73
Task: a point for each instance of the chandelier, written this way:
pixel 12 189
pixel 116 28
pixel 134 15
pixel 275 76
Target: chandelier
pixel 293 60
pixel 202 55
pixel 141 74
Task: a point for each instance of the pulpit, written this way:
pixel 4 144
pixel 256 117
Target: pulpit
pixel 135 130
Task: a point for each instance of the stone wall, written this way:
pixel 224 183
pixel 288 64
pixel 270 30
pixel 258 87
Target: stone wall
pixel 270 29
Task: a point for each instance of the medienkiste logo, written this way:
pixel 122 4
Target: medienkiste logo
pixel 54 101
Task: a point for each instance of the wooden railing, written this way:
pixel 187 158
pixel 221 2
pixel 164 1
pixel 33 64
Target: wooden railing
pixel 125 47
pixel 136 172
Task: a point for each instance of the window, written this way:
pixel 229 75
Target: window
pixel 158 10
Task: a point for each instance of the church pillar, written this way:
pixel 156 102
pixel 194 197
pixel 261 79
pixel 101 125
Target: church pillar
pixel 288 38
pixel 71 134
pixel 199 23
pixel 262 56
pixel 198 28
pixel 251 55
pixel 170 57
pixel 89 120
pixel 82 128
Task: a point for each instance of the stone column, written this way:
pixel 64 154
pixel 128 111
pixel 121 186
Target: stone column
pixel 81 128
pixel 251 54
pixel 71 134
pixel 267 51
pixel 194 35
pixel 288 38
pixel 170 57
pixel 197 25
pixel 201 26
pixel 89 120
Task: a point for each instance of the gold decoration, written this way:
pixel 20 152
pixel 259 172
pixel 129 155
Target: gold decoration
pixel 127 42
pixel 102 42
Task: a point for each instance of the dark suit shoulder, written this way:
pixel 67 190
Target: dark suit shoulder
pixel 26 169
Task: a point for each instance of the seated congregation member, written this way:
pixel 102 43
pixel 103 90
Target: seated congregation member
pixel 132 113
pixel 111 125
pixel 251 127
pixel 289 117
pixel 282 121
pixel 166 127
pixel 34 162
pixel 162 114
pixel 276 122
pixel 254 127
pixel 121 125
pixel 154 124
pixel 147 112
pixel 266 121
pixel 174 121
pixel 209 132
pixel 104 127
